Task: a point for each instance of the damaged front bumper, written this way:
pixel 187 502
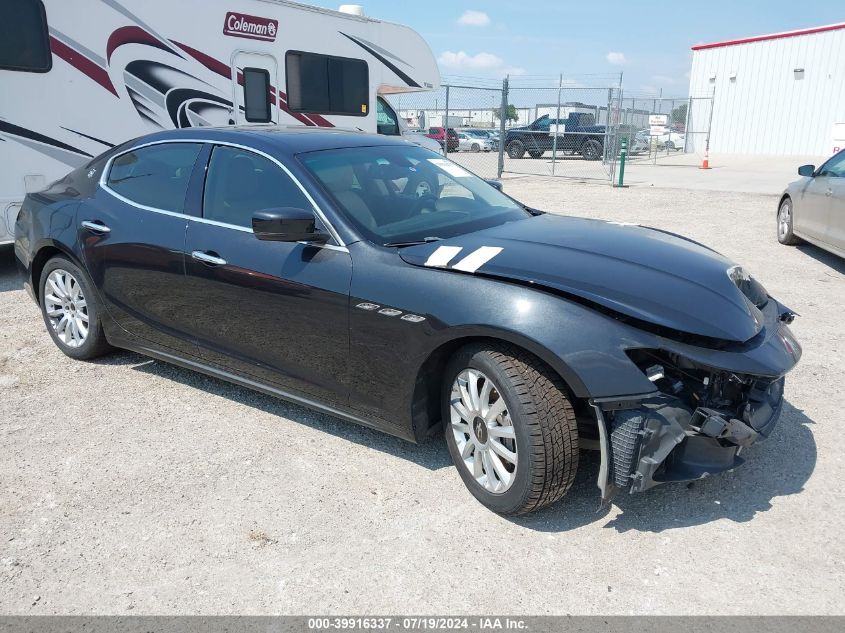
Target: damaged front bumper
pixel 701 416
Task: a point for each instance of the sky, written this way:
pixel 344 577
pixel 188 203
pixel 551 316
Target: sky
pixel 589 43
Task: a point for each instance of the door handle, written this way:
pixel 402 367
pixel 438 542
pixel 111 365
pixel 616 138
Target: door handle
pixel 208 258
pixel 97 227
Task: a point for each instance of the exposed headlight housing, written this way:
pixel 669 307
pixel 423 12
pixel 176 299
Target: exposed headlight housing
pixel 751 288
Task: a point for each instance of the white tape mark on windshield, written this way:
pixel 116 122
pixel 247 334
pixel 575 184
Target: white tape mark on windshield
pixel 443 255
pixel 477 259
pixel 450 168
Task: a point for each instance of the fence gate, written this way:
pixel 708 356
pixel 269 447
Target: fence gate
pixel 566 131
pixel 681 125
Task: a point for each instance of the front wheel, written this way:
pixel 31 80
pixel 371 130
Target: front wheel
pixel 591 149
pixel 516 149
pixel 785 223
pixel 476 147
pixel 510 428
pixel 70 310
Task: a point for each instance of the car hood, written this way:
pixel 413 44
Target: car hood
pixel 651 275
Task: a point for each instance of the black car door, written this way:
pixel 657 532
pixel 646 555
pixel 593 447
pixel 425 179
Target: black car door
pixel 277 312
pixel 132 238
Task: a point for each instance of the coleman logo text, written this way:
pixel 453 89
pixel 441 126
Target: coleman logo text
pixel 250 26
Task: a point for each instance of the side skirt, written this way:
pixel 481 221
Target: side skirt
pixel 296 398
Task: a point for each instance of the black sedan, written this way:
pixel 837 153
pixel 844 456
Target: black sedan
pixel 379 282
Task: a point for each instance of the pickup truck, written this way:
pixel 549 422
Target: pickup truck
pixel 580 135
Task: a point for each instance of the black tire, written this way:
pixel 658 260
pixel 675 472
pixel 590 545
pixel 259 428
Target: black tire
pixel 475 147
pixel 625 441
pixel 546 433
pixel 535 153
pixel 516 149
pixel 784 228
pixel 95 343
pixel 670 145
pixel 591 149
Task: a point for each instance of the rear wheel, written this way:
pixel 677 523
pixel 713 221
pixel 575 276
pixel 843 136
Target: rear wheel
pixel 591 149
pixel 516 149
pixel 70 310
pixel 785 223
pixel 510 428
pixel 535 153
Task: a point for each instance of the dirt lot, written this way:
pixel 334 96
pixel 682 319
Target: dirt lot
pixel 131 486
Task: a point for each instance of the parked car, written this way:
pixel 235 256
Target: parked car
pixel 813 207
pixel 377 281
pixel 469 143
pixel 448 139
pixel 581 136
pixel 490 135
pixel 671 140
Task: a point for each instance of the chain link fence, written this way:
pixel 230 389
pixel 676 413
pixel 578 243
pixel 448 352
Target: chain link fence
pixel 684 128
pixel 563 130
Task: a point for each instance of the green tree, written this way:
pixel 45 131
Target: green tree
pixel 512 114
pixel 679 114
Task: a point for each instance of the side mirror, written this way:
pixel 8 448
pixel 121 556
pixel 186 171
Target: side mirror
pixel 287 224
pixel 806 170
pixel 495 183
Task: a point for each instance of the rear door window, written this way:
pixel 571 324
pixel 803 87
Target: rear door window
pixel 24 43
pixel 155 176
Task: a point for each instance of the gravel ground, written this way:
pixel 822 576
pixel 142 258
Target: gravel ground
pixel 131 486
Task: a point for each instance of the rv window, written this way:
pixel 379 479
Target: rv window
pixel 23 37
pixel 257 95
pixel 156 176
pixel 327 85
pixel 387 122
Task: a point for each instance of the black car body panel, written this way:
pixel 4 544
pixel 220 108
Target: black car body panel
pixel 363 331
pixel 636 271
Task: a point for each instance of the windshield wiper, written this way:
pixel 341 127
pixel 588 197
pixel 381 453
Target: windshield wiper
pixel 425 240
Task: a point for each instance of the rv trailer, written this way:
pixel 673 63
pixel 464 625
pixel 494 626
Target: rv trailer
pixel 81 76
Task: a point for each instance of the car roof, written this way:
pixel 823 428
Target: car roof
pixel 287 139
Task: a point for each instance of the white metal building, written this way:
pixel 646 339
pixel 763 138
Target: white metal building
pixel 772 94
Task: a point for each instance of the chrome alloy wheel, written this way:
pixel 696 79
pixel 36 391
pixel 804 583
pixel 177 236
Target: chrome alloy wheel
pixel 784 219
pixel 483 431
pixel 66 308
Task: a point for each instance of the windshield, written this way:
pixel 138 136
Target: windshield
pixel 397 193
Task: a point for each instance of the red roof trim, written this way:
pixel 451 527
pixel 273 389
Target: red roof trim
pixel 773 36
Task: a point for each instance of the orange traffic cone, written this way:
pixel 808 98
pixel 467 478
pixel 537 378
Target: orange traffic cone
pixel 706 162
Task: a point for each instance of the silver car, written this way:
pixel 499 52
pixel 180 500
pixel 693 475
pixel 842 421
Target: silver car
pixel 813 207
pixel 471 143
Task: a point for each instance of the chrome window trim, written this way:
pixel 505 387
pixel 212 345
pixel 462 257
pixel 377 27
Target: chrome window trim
pixel 341 246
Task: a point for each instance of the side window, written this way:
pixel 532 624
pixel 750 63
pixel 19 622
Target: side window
pixel 834 167
pixel 24 44
pixel 257 95
pixel 155 176
pixel 239 183
pixel 387 123
pixel 325 84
